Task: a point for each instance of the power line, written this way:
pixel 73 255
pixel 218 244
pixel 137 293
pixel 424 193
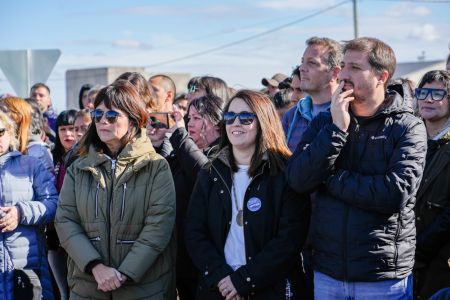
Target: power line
pixel 248 38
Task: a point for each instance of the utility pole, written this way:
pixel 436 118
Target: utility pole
pixel 355 18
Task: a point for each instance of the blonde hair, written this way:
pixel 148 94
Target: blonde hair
pixel 10 126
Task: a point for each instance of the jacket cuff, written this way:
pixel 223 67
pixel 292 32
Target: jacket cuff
pixel 243 281
pixel 213 278
pixel 91 265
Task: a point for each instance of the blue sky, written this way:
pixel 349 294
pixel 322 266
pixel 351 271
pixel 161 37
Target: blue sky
pixel 144 33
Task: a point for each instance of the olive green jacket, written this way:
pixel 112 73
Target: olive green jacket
pixel 120 212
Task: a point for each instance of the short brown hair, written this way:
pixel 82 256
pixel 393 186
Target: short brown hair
pixel 381 56
pixel 270 138
pixel 333 48
pixel 122 95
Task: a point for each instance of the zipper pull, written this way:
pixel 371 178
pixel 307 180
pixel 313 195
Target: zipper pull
pixel 113 164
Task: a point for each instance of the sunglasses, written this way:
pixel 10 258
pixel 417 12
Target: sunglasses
pixel 2 131
pixel 110 115
pixel 245 117
pixel 192 89
pixel 436 94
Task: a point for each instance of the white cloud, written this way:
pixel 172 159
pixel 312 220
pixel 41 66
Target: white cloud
pixel 421 11
pixel 425 32
pixel 135 44
pixel 295 4
pixel 407 9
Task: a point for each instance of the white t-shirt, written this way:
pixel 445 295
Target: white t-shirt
pixel 235 243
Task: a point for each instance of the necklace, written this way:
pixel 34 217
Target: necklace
pixel 240 214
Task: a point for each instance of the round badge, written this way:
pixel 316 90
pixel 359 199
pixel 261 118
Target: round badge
pixel 254 204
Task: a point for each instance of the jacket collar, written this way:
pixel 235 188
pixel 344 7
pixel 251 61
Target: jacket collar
pixel 9 155
pixel 134 152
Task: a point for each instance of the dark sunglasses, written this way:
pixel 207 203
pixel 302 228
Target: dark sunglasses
pixel 436 94
pixel 192 89
pixel 110 115
pixel 2 131
pixel 245 117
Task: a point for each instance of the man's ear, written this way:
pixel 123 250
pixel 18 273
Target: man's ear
pixel 383 77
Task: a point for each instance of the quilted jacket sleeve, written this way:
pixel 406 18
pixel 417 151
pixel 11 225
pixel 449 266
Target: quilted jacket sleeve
pixel 42 210
pixel 313 160
pixel 389 192
pixel 71 234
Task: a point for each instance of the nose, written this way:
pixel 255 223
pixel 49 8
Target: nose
pixel 302 67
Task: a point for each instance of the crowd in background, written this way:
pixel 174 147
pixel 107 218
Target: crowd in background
pixel 329 183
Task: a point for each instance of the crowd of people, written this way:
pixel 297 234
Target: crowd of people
pixel 330 183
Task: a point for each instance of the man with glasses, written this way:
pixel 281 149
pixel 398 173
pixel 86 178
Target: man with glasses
pixel 364 159
pixel 317 76
pixel 165 91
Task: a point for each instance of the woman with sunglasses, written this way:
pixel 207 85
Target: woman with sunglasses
pixel 432 270
pixel 116 208
pixel 245 227
pixel 28 200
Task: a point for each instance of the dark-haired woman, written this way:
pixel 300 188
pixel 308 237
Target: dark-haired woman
pixel 245 227
pixel 192 148
pixel 432 267
pixel 116 209
pixel 65 139
pixel 83 101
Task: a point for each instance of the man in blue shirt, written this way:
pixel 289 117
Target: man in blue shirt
pixel 319 69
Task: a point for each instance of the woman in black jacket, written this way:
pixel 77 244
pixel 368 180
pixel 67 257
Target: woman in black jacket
pixel 432 267
pixel 191 149
pixel 245 227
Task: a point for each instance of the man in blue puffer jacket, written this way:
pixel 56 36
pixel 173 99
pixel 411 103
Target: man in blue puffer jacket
pixel 28 200
pixel 365 159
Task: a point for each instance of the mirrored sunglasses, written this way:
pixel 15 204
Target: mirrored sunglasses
pixel 245 118
pixel 436 94
pixel 110 115
pixel 192 89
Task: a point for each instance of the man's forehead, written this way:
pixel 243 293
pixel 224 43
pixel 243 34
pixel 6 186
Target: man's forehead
pixel 40 90
pixel 355 56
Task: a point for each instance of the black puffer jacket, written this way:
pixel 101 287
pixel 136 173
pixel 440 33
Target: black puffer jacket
pixel 362 226
pixel 274 234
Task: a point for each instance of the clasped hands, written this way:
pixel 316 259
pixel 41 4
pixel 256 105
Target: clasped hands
pixel 107 278
pixel 227 289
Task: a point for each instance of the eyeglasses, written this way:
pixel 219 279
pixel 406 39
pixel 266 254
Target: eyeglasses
pixel 436 94
pixel 2 131
pixel 192 89
pixel 245 117
pixel 110 115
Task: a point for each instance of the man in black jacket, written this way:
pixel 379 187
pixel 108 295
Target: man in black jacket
pixel 365 160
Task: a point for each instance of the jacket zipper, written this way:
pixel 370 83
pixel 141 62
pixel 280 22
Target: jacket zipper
pixel 125 241
pixel 397 233
pixel 96 200
pixel 123 200
pixel 113 172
